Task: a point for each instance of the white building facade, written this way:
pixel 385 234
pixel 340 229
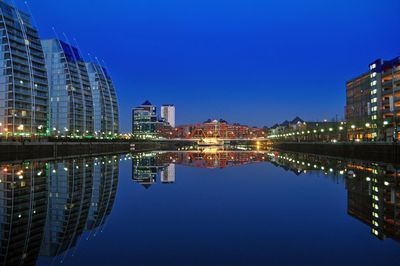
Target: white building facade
pixel 168 114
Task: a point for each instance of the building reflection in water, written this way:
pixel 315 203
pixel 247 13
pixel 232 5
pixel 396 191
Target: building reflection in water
pixel 148 167
pixel 70 190
pixel 373 189
pixel 47 206
pixel 23 193
pixel 374 198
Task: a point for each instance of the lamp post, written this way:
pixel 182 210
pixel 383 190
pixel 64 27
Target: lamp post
pixel 40 128
pixel 367 126
pixel 20 128
pixel 353 127
pixel 6 131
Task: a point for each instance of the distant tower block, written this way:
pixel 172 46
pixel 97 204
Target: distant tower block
pixel 168 114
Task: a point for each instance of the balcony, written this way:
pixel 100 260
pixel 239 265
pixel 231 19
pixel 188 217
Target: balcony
pixel 387 84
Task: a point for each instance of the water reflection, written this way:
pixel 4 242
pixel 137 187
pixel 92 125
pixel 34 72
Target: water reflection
pixel 47 207
pixel 373 189
pixel 23 209
pixel 149 167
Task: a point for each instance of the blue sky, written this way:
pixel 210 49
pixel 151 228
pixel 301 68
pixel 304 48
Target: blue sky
pixel 256 62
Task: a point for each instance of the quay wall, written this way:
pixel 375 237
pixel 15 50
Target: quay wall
pixel 10 151
pixel 379 152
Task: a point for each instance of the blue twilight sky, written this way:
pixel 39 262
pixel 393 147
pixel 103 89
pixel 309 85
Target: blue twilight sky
pixel 256 62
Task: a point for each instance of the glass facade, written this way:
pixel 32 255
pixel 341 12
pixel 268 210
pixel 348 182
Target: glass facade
pixel 144 121
pixel 23 77
pixel 105 105
pixel 71 103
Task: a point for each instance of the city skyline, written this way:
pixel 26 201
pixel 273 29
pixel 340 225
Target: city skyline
pixel 260 56
pixel 199 132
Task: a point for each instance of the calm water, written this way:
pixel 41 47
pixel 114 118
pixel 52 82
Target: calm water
pixel 200 208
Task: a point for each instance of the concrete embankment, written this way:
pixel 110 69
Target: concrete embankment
pixel 379 152
pixel 37 150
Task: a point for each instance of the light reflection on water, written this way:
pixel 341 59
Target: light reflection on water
pixel 62 211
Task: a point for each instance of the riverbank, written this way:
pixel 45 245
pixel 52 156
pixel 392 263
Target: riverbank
pixel 38 150
pixel 380 152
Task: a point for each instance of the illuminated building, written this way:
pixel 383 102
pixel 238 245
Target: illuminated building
pixel 358 94
pixel 299 130
pixel 145 121
pixel 23 79
pixel 105 105
pixel 373 102
pixel 71 102
pixel 385 97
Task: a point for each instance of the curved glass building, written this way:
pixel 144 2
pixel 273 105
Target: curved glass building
pixel 71 103
pixel 105 105
pixel 23 78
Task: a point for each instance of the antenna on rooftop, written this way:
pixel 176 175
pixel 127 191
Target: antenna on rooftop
pixel 31 14
pixel 55 33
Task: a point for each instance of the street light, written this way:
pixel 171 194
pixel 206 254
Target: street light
pixel 20 128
